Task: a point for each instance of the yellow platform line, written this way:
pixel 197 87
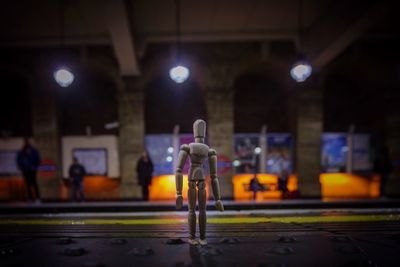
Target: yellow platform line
pixel 213 220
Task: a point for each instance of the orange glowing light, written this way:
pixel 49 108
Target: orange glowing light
pixel 241 184
pixel 292 183
pixel 163 187
pixel 95 187
pixel 12 188
pixel 342 185
pixel 333 185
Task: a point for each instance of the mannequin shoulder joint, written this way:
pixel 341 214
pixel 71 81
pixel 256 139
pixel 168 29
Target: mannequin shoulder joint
pixel 212 152
pixel 185 148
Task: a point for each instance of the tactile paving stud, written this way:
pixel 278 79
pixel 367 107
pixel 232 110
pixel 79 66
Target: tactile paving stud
pixel 359 263
pixel 210 251
pixel 7 240
pixel 141 251
pixel 229 241
pixel 93 264
pixel 281 250
pixel 286 239
pixel 64 241
pixel 395 237
pixel 117 241
pixel 8 251
pixel 272 265
pixel 181 264
pixel 74 251
pixel 174 241
pixel 348 249
pixel 341 238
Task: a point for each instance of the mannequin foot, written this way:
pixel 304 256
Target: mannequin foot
pixel 192 241
pixel 202 242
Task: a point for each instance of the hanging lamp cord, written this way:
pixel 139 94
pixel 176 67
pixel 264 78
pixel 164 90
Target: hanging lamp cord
pixel 300 26
pixel 178 29
pixel 61 22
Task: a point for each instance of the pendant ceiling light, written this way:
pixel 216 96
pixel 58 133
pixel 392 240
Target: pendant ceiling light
pixel 179 73
pixel 301 69
pixel 62 75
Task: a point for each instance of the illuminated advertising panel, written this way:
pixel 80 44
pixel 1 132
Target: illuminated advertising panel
pixel 245 156
pixel 334 152
pixel 279 155
pixel 93 159
pixel 8 163
pixel 159 147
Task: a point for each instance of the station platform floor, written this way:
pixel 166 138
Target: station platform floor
pixel 253 237
pixel 138 206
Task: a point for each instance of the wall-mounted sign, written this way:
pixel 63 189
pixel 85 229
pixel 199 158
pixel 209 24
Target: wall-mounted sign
pixel 8 163
pixel 224 164
pixel 159 148
pixel 93 159
pixel 279 155
pixel 47 168
pixel 245 156
pixel 334 152
pixel 361 152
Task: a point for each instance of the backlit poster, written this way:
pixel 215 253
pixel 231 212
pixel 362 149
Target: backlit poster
pixel 334 152
pixel 93 159
pixel 160 150
pixel 8 163
pixel 245 156
pixel 279 154
pixel 361 152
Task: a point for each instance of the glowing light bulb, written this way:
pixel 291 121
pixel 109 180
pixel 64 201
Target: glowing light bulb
pixel 301 71
pixel 63 77
pixel 236 163
pixel 179 74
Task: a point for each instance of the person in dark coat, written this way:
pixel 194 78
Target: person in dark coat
pixel 76 173
pixel 28 161
pixel 144 169
pixel 254 185
pixel 383 166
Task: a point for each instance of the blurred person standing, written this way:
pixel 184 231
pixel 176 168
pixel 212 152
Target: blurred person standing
pixel 76 173
pixel 254 185
pixel 144 170
pixel 283 182
pixel 28 161
pixel 383 166
pixel 283 174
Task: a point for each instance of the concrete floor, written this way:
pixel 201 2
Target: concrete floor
pixel 300 237
pixel 137 206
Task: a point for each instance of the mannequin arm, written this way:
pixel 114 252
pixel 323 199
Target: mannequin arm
pixel 183 154
pixel 212 160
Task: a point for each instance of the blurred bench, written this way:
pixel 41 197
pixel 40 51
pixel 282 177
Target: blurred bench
pixel 262 187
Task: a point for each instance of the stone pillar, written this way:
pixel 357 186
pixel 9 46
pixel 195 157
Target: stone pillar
pixel 131 135
pixel 220 133
pixel 308 139
pixel 46 135
pixel 392 187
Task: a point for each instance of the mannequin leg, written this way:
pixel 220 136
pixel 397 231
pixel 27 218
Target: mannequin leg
pixel 192 213
pixel 202 211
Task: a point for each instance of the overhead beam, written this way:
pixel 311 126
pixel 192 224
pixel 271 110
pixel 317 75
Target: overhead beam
pixel 346 22
pixel 121 37
pixel 54 42
pixel 207 37
pixel 195 37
